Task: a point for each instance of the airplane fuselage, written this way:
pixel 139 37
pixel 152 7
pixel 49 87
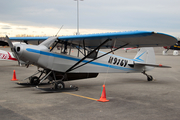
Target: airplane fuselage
pixel 42 57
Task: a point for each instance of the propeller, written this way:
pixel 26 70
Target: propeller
pixel 13 50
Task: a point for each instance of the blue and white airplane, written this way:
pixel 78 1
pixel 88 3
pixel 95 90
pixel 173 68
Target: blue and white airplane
pixel 90 61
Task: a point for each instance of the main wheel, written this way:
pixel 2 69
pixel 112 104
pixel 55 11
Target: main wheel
pixel 59 85
pixel 34 80
pixel 149 78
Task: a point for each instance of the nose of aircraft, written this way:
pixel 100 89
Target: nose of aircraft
pixel 18 49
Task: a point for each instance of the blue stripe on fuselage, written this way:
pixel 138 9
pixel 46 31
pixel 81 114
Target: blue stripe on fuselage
pixel 75 59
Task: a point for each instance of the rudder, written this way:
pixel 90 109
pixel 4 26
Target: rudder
pixel 145 55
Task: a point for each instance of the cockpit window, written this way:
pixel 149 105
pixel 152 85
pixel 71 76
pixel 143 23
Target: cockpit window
pixel 18 49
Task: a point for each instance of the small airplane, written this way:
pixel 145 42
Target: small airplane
pixel 173 47
pixel 88 61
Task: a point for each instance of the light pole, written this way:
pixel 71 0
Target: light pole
pixel 78 17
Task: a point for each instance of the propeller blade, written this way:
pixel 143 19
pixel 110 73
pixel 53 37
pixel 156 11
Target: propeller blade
pixel 10 43
pixel 12 49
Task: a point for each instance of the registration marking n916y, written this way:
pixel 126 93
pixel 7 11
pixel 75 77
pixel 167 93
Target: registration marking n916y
pixel 117 61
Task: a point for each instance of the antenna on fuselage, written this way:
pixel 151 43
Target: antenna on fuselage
pixel 59 31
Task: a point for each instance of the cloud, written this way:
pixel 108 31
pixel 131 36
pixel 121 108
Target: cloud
pixel 21 28
pixel 6 27
pixel 161 15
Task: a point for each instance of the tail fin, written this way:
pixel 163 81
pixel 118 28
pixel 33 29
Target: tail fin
pixel 145 55
pixel 145 59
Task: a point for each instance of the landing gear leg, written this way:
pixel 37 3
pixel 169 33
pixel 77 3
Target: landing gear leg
pixel 149 77
pixel 34 80
pixel 58 84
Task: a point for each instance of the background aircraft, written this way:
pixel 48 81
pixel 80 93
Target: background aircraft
pixel 9 56
pixel 59 66
pixel 4 55
pixel 173 47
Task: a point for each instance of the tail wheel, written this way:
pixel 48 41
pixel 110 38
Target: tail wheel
pixel 34 80
pixel 149 78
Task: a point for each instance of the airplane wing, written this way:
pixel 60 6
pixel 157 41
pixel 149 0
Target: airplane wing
pixel 111 40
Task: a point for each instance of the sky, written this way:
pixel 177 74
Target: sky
pixel 45 17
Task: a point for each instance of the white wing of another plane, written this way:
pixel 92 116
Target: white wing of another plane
pixel 4 55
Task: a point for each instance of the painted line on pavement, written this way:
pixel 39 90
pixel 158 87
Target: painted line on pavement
pixel 80 96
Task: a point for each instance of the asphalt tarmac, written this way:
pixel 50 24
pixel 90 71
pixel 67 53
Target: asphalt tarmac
pixel 131 96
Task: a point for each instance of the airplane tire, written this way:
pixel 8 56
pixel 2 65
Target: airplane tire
pixel 149 78
pixel 59 85
pixel 34 80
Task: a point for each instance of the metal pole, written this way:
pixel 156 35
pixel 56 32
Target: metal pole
pixel 77 17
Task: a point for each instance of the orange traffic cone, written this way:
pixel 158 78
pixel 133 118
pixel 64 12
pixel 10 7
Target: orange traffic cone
pixel 14 76
pixel 103 95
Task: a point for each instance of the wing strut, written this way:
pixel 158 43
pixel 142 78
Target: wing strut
pixel 84 48
pixel 70 69
pixel 74 66
pixel 54 45
pixel 100 56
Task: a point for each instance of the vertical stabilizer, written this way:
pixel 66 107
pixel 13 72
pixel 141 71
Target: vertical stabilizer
pixel 145 55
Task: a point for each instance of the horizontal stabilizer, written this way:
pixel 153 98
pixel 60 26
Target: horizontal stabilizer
pixel 151 65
